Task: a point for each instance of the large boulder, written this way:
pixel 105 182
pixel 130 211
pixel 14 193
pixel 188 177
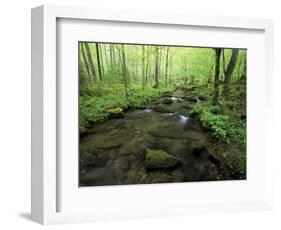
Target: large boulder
pixel 160 159
pixel 115 113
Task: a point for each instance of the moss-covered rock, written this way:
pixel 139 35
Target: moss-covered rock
pixel 167 101
pixel 115 113
pixel 160 159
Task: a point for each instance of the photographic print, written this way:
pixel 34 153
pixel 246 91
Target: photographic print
pixel 161 114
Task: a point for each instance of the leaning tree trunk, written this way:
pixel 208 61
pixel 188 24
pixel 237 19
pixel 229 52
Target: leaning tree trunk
pixel 90 61
pixel 217 76
pixel 230 69
pixel 157 68
pixel 99 61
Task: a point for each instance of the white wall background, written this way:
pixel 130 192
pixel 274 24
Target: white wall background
pixel 15 112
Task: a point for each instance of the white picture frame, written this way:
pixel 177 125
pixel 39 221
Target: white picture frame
pixel 46 182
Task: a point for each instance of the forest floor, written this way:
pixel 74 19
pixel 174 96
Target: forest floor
pixel 190 139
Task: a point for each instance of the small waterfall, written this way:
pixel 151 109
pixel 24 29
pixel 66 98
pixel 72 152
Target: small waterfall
pixel 183 119
pixel 176 99
pixel 197 99
pixel 147 110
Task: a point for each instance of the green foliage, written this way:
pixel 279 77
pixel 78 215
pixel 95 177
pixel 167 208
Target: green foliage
pixel 94 108
pixel 223 127
pixel 242 163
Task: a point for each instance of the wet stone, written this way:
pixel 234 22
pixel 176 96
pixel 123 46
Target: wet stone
pixel 160 159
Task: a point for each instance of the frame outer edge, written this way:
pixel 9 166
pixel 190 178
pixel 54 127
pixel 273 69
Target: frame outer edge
pixel 43 93
pixel 37 163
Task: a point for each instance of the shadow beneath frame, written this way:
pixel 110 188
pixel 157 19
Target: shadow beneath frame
pixel 25 215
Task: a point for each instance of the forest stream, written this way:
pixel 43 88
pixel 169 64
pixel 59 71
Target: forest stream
pixel 118 147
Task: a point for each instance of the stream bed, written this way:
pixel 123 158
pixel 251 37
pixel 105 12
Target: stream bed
pixel 118 147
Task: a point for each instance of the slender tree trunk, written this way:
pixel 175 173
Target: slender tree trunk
pixel 166 67
pixel 115 68
pixel 106 61
pixel 111 55
pixel 143 66
pixel 223 62
pixel 211 72
pixel 99 61
pixel 239 66
pixel 170 68
pixel 244 71
pixel 90 61
pixel 124 70
pixel 157 67
pixel 229 70
pixel 217 76
pixel 85 60
pixel 146 68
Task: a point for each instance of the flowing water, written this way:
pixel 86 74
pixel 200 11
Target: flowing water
pixel 121 146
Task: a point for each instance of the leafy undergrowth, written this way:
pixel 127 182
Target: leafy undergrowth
pixel 95 102
pixel 224 128
pixel 224 120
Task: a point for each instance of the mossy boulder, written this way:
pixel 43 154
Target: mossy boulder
pixel 115 112
pixel 167 101
pixel 160 159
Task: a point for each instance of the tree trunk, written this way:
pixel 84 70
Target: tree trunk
pixel 147 67
pixel 244 74
pixel 90 61
pixel 223 62
pixel 217 76
pixel 143 66
pixel 99 61
pixel 157 68
pixel 106 61
pixel 85 60
pixel 239 66
pixel 124 70
pixel 210 75
pixel 230 68
pixel 166 67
